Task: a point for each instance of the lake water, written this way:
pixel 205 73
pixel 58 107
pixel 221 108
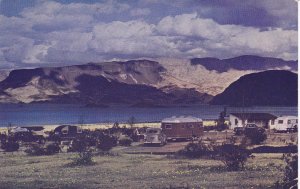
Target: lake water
pixel 46 114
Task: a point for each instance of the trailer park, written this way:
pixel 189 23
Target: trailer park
pixel 180 152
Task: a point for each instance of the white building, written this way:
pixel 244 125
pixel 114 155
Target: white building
pixel 241 119
pixel 284 122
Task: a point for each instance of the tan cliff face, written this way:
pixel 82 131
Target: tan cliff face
pixel 175 79
pixel 216 77
pixel 3 74
pixel 135 82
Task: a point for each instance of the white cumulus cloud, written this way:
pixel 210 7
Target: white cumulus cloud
pixel 140 12
pixel 52 32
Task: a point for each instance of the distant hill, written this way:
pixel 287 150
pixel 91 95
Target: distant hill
pixel 268 88
pixel 131 82
pixel 245 62
pixel 134 82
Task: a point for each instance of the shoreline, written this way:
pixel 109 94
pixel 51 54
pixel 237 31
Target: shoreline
pixel 94 126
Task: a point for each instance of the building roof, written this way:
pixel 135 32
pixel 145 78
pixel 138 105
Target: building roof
pixel 181 119
pixel 254 116
pixel 287 117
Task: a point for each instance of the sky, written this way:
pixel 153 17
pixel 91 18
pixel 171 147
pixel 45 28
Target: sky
pixel 36 33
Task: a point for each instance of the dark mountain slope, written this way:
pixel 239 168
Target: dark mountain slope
pixel 131 82
pixel 268 88
pixel 246 62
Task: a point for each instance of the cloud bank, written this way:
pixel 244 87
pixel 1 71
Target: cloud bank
pixel 52 33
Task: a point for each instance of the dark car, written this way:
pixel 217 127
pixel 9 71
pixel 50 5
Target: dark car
pixel 239 130
pixel 253 128
pixel 294 129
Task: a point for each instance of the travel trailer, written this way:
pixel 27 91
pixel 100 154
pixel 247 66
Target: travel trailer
pixel 182 127
pixel 284 124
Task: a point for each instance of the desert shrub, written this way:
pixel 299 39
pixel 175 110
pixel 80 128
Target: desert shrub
pixel 234 157
pixel 83 158
pixel 77 145
pixel 35 150
pixel 290 179
pixel 196 150
pixel 221 127
pixel 52 149
pixel 126 141
pixel 106 142
pixel 291 170
pixel 10 146
pixel 256 136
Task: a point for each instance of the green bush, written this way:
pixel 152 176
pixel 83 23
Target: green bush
pixel 196 150
pixel 77 145
pixel 83 158
pixel 291 170
pixel 126 141
pixel 234 157
pixel 256 136
pixel 106 142
pixel 290 179
pixel 52 149
pixel 35 150
pixel 40 150
pixel 10 146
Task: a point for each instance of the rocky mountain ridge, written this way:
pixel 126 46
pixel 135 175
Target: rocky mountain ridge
pixel 169 81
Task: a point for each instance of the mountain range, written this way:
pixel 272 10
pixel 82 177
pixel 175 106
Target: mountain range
pixel 268 88
pixel 136 82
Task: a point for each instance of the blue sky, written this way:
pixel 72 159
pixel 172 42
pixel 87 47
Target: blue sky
pixel 43 32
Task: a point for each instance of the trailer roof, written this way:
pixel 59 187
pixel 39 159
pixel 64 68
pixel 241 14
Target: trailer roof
pixel 181 119
pixel 287 117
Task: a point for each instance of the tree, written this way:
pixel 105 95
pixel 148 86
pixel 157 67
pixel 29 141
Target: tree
pixel 221 121
pixel 131 121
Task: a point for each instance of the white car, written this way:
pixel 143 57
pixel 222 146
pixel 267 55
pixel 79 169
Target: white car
pixel 155 136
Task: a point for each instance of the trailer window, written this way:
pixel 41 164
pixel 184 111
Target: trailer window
pixel 168 126
pixel 272 122
pixel 191 126
pixel 280 121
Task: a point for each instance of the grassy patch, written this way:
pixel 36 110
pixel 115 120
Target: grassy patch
pixel 135 171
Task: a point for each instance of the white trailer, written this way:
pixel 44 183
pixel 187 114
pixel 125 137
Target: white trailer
pixel 284 123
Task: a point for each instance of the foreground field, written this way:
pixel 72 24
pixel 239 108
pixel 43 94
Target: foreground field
pixel 135 171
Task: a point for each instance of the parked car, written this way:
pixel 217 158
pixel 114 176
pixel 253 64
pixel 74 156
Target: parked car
pixel 26 135
pixel 155 136
pixel 294 129
pixel 251 126
pixel 248 128
pixel 239 130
